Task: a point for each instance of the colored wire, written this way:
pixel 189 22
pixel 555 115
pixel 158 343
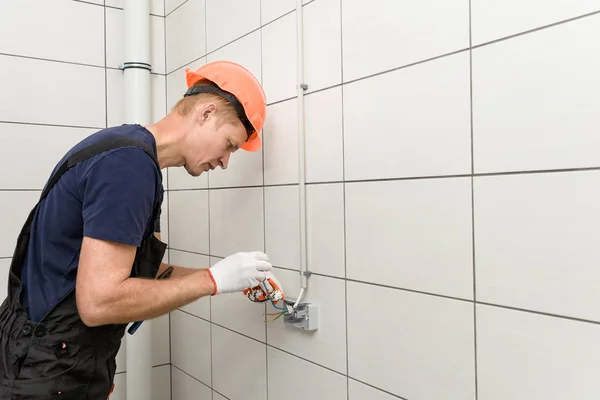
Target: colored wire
pixel 279 308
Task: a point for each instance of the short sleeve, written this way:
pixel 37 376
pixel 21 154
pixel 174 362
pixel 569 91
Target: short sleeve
pixel 118 195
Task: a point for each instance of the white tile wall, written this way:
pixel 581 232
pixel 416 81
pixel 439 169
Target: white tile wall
pixel 160 343
pixel 54 99
pixel 282 226
pixel 417 133
pixel 524 116
pixel 190 345
pixel 321 383
pixel 189 229
pixel 4 269
pixel 549 222
pixel 236 217
pixel 493 20
pixel 422 236
pixel 239 365
pixel 359 391
pixel 402 342
pixel 52 30
pixel 416 31
pixel 244 51
pixel 18 205
pixel 161 384
pixel 324 140
pixel 542 357
pixel 322 44
pixel 325 227
pixel 186 387
pixel 227 21
pixel 171 5
pixel 280 143
pixel 327 346
pixel 279 58
pixel 186 38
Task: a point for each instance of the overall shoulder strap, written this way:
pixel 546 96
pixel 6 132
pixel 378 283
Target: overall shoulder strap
pixel 93 150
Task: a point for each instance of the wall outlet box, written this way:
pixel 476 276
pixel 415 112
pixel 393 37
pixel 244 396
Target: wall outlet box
pixel 305 316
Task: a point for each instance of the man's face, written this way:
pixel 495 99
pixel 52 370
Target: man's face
pixel 209 145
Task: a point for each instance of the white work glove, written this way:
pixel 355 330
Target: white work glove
pixel 239 271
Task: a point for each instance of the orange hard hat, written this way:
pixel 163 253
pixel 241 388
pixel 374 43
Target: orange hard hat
pixel 238 86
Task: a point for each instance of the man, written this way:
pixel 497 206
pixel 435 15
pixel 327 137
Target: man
pixel 86 258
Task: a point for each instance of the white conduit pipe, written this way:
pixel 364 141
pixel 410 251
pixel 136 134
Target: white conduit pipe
pixel 138 110
pixel 301 149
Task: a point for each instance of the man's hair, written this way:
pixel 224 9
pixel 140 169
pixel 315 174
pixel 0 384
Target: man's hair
pixel 225 111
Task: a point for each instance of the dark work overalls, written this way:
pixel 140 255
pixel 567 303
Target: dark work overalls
pixel 60 358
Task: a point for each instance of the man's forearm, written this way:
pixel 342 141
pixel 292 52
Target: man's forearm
pixel 136 299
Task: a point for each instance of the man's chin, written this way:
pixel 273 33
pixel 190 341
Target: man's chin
pixel 193 173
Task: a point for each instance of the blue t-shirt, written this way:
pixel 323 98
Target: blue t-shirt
pixel 111 196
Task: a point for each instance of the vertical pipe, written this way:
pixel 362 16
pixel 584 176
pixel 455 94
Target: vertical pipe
pixel 136 69
pixel 301 148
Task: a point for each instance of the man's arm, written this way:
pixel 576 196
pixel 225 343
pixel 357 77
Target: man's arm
pixel 107 295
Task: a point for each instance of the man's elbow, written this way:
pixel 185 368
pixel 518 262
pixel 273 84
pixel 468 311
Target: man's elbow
pixel 92 314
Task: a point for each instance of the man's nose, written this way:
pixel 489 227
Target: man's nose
pixel 225 160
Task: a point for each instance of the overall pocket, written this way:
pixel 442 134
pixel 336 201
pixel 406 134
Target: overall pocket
pixel 55 371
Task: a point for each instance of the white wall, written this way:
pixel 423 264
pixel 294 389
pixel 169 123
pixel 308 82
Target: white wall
pixel 60 82
pixel 451 218
pixel 451 159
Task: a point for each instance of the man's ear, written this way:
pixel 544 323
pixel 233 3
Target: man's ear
pixel 205 112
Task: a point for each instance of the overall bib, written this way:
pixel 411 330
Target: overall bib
pixel 60 358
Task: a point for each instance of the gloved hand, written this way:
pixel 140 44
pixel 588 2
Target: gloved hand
pixel 239 271
pixel 269 289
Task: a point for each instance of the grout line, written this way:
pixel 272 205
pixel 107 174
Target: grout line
pixel 20 190
pixel 409 290
pixel 105 73
pixel 207 53
pixel 52 125
pixel 90 3
pixel 546 314
pixel 5 258
pixel 154 366
pixel 379 389
pixel 344 199
pixel 305 359
pixel 408 178
pixel 387 71
pixel 473 201
pixel 51 60
pixel 175 9
pixel 282 101
pixel 208 219
pixel 168 199
pixel 264 201
pixel 193 377
pixel 502 39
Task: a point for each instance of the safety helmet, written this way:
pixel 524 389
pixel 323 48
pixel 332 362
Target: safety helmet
pixel 238 86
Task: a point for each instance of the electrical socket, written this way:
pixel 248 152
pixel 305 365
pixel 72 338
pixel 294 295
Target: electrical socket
pixel 305 316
